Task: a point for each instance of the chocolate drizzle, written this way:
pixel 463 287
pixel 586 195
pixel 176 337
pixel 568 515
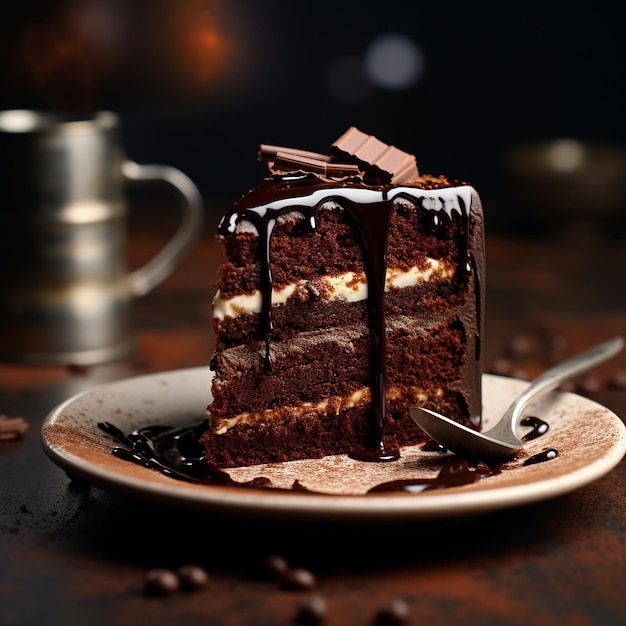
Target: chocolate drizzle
pixel 175 452
pixel 455 473
pixel 541 457
pixel 374 224
pixel 539 427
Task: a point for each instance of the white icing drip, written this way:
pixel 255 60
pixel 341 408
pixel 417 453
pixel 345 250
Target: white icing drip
pixel 446 198
pixel 360 196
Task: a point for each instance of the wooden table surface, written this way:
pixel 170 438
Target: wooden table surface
pixel 77 555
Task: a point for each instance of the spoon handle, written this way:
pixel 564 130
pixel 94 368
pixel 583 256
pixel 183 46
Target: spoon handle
pixel 554 376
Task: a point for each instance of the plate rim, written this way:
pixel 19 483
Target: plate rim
pixel 436 505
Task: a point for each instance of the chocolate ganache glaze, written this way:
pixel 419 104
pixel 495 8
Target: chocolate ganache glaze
pixel 370 203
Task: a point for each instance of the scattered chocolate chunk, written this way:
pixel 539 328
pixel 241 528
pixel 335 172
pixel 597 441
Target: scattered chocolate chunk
pixel 193 577
pixel 160 582
pixel 298 578
pixel 311 611
pixel 12 428
pixel 395 613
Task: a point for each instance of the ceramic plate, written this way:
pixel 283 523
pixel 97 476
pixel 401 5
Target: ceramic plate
pixel 590 440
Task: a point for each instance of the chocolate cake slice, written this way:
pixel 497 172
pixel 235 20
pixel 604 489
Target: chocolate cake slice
pixel 353 290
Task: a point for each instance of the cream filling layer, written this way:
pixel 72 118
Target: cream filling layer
pixel 329 406
pixel 350 287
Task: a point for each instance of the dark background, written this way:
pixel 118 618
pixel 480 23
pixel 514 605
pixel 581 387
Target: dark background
pixel 201 83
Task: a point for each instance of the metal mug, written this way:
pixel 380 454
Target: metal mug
pixel 66 293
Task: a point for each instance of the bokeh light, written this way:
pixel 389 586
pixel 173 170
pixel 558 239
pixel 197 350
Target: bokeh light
pixel 394 61
pixel 391 61
pixel 566 155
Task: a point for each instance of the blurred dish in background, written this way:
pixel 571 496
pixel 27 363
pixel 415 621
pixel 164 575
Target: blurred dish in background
pixel 568 183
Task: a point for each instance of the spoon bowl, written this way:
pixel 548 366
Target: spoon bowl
pixel 502 440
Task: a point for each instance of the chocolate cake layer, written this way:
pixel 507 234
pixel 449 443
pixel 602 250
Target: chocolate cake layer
pixel 342 304
pixel 320 384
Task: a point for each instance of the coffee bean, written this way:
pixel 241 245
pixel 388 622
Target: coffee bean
pixel 311 611
pixel 617 381
pixel 275 564
pixel 161 581
pixel 521 346
pixel 298 578
pixel 193 577
pixel 395 613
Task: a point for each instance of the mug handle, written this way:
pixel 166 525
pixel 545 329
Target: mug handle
pixel 156 270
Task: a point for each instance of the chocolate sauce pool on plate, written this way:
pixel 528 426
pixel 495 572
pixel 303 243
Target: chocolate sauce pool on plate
pixel 177 453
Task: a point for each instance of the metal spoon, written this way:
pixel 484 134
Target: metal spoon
pixel 502 440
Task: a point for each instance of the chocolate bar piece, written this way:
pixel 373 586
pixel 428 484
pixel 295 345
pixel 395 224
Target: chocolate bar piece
pixel 381 163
